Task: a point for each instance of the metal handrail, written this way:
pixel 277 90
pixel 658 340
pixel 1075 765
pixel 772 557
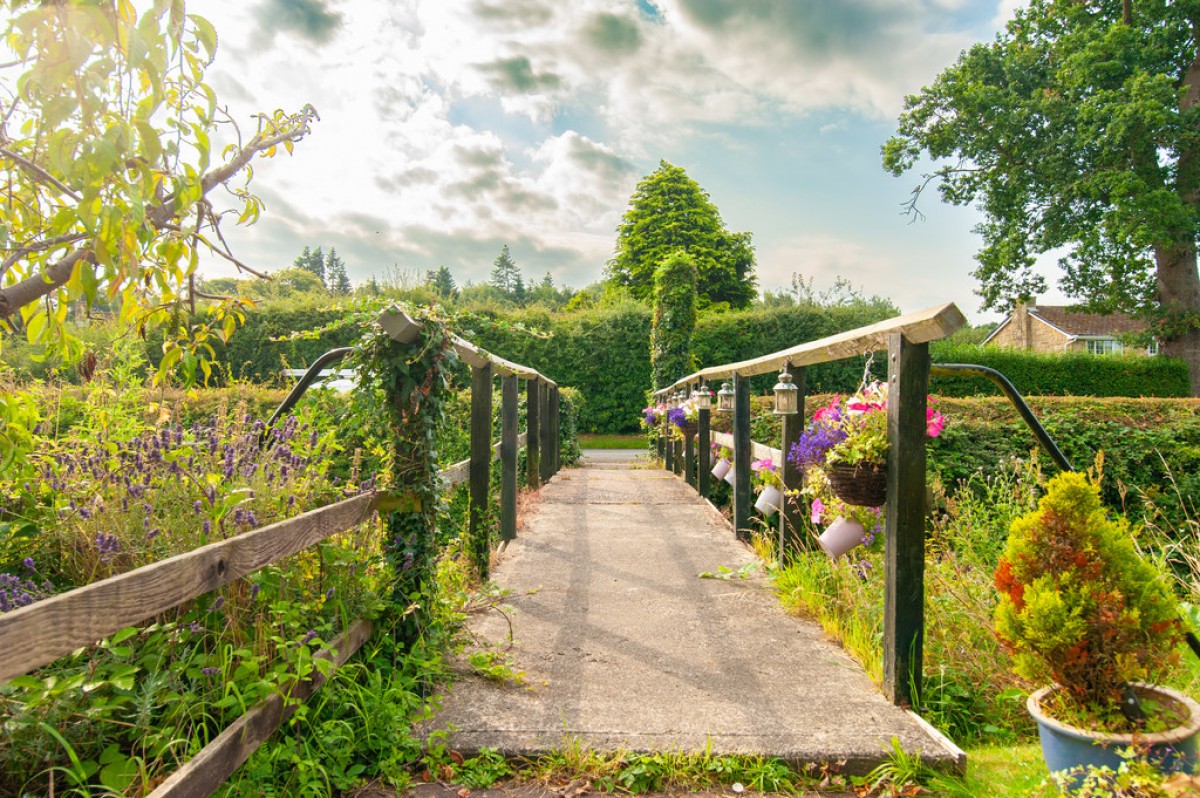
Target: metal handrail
pixel 1031 421
pixel 310 376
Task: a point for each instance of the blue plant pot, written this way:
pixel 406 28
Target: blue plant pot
pixel 1066 748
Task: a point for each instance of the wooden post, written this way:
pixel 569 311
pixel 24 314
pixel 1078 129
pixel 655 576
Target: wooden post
pixel 669 451
pixel 508 457
pixel 547 462
pixel 533 463
pixel 689 459
pixel 481 463
pixel 704 475
pixel 555 431
pixel 790 517
pixel 904 531
pixel 743 496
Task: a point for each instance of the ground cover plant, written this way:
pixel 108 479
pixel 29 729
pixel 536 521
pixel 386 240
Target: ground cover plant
pixel 119 474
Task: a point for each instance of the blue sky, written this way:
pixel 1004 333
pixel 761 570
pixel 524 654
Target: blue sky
pixel 452 127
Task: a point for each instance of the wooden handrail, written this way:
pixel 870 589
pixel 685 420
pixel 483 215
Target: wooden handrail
pixel 931 324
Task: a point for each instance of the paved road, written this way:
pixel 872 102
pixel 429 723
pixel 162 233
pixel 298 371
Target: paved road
pixel 622 646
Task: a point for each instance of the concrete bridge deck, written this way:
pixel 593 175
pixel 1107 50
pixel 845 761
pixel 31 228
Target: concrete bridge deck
pixel 622 646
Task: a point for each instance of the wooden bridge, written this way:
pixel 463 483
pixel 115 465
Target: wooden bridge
pixel 622 644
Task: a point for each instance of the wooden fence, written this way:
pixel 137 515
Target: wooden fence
pixel 42 632
pixel 906 340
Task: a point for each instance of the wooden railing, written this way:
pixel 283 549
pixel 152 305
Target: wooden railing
pixel 38 634
pixel 906 340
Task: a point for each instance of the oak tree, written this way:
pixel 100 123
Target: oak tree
pixel 1078 131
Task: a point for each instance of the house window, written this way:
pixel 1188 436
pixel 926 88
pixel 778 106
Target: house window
pixel 1104 346
pixel 1152 349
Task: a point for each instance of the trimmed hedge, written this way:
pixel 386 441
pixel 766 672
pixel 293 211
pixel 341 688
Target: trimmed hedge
pixel 1065 374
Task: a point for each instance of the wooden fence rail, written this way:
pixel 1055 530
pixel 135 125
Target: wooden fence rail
pixel 38 634
pixel 906 339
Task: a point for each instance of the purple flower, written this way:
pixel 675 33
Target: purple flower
pixel 29 564
pixel 308 638
pixel 677 416
pixel 107 546
pixel 210 671
pixel 329 594
pixel 254 591
pixel 816 440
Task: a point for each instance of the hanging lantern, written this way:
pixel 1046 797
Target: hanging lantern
pixel 703 397
pixel 725 398
pixel 787 396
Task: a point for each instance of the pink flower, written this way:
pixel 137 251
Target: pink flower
pixel 934 423
pixel 818 509
pixel 829 410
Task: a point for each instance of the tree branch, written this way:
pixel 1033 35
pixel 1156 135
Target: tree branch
pixel 36 286
pixel 38 171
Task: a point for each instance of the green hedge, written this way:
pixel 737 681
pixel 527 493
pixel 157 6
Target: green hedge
pixel 1065 374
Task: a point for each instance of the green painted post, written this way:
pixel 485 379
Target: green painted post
pixel 669 451
pixel 689 458
pixel 555 431
pixel 704 447
pixel 533 462
pixel 904 531
pixel 547 459
pixel 508 457
pixel 743 496
pixel 481 463
pixel 791 539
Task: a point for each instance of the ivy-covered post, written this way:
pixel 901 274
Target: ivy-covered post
pixel 533 433
pixel 547 463
pixel 508 457
pixel 674 318
pixel 555 438
pixel 791 517
pixel 481 464
pixel 743 496
pixel 408 362
pixel 704 448
pixel 904 524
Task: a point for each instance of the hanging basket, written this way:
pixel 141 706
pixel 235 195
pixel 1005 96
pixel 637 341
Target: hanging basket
pixel 690 429
pixel 863 484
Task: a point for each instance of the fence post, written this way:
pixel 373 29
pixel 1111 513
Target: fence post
pixel 704 447
pixel 547 461
pixel 904 533
pixel 533 463
pixel 689 458
pixel 790 516
pixel 743 497
pixel 481 463
pixel 555 431
pixel 669 451
pixel 508 457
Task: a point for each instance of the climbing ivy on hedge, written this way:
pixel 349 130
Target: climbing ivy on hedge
pixel 674 319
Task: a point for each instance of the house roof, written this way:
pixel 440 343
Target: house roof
pixel 1075 324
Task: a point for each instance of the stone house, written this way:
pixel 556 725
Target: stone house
pixel 1055 328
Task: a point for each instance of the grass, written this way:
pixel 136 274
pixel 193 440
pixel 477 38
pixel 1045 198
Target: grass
pixel 1007 771
pixel 600 441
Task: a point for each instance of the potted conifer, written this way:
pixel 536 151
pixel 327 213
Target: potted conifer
pixel 1080 609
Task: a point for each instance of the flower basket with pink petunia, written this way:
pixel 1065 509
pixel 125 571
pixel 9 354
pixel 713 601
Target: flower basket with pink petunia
pixel 843 452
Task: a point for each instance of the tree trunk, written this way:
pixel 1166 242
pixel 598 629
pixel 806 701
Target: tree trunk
pixel 1177 278
pixel 1179 293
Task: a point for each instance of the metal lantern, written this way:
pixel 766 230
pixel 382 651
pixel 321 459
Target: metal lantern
pixel 786 396
pixel 703 397
pixel 725 398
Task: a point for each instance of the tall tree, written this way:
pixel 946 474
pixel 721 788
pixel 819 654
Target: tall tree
pixel 336 278
pixel 669 212
pixel 505 272
pixel 311 262
pixel 107 164
pixel 1078 129
pixel 441 282
pixel 674 319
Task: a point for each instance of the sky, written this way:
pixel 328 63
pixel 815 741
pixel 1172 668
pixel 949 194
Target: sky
pixel 449 128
